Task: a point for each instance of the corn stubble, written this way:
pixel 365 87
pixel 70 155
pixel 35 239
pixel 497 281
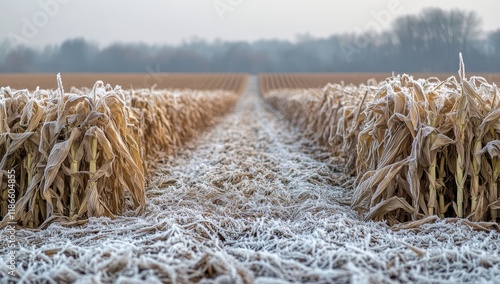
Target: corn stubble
pixel 88 153
pixel 420 149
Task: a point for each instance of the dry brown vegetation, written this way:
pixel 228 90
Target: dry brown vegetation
pixel 419 148
pixel 127 80
pixel 87 152
pixel 319 80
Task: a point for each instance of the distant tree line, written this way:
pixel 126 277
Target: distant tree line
pixel 427 42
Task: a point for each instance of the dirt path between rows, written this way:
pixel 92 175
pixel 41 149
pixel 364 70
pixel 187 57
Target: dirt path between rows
pixel 252 201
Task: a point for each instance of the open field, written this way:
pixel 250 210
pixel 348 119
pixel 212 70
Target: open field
pixel 307 80
pixel 240 187
pixel 125 80
pixel 197 81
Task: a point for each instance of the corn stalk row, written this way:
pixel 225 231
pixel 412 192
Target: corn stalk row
pixel 417 147
pixel 88 153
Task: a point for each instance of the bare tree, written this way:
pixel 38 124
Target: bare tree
pixel 435 37
pixel 494 40
pixel 21 59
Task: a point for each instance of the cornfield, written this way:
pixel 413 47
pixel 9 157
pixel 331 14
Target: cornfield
pixel 419 148
pixel 253 198
pixel 89 152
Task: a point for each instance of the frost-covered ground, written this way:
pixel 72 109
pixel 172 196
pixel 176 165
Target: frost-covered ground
pixel 250 201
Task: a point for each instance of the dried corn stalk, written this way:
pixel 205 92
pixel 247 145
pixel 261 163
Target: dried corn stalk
pixel 418 147
pixel 85 153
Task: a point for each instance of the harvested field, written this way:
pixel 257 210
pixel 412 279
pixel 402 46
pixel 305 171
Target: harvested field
pixel 127 80
pixel 201 81
pixel 310 81
pixel 252 199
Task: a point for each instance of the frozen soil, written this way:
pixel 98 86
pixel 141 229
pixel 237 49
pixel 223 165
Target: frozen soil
pixel 252 201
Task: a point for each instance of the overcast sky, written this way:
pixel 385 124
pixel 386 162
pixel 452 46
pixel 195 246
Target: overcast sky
pixel 43 22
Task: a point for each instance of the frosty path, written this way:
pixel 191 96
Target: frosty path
pixel 250 201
